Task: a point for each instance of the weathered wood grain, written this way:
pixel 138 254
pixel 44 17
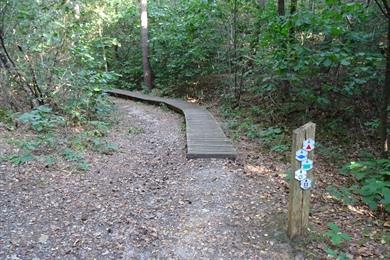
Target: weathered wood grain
pixel 299 200
pixel 205 138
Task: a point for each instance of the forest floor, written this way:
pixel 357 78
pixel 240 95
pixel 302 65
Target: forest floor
pixel 144 201
pixel 147 201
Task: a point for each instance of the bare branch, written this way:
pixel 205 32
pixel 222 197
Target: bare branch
pixel 386 4
pixel 2 44
pixel 382 9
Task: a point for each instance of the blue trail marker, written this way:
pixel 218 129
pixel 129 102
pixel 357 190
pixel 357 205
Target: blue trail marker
pixel 301 155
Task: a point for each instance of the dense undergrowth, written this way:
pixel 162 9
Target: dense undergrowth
pixel 52 82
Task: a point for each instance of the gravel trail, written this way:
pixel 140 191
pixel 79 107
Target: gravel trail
pixel 145 201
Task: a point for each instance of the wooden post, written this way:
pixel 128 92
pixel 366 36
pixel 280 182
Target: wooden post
pixel 299 199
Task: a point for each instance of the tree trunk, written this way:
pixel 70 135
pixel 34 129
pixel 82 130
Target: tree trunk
pixel 293 10
pixel 293 6
pixel 281 8
pixel 235 69
pixel 103 47
pixel 145 45
pixel 385 102
pixel 291 35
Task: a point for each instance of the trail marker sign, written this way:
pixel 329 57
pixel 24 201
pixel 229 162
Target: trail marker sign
pixel 300 175
pixel 301 181
pixel 301 155
pixel 307 165
pixel 309 145
pixel 306 184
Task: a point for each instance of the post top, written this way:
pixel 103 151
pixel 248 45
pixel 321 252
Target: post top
pixel 305 127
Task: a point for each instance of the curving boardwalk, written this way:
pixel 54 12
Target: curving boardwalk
pixel 205 138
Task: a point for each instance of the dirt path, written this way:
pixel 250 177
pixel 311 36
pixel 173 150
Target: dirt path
pixel 146 201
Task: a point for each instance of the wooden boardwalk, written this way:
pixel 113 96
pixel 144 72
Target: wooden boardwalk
pixel 205 138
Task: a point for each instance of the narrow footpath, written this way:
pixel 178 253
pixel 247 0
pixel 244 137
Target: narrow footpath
pixel 146 201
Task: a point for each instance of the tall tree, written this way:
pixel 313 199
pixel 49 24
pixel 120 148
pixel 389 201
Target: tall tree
pixel 293 10
pixel 281 9
pixel 293 6
pixel 237 91
pixel 148 78
pixel 384 6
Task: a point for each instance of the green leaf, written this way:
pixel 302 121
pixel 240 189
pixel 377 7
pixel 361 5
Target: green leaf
pixel 21 159
pixel 370 201
pixel 345 62
pixel 333 227
pixel 71 155
pixel 386 196
pixel 331 252
pixel 327 63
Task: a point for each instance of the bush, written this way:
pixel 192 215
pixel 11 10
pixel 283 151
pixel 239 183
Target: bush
pixel 373 179
pixel 42 119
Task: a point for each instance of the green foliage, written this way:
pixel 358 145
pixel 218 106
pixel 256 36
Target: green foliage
pixel 336 254
pixel 48 160
pixel 31 148
pixel 335 235
pixel 371 184
pixel 47 147
pixel 280 148
pixel 77 158
pixel 99 128
pixel 374 182
pixel 331 152
pixel 273 138
pixel 103 147
pixel 270 134
pixel 71 155
pixel 42 119
pixel 344 194
pixel 88 103
pixel 20 159
pixel 311 65
pixel 183 40
pixel 93 139
pixel 270 74
pixel 83 166
pixel 6 117
pixel 336 238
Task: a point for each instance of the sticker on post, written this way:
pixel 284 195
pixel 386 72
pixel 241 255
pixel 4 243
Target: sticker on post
pixel 309 145
pixel 301 155
pixel 306 184
pixel 307 165
pixel 300 175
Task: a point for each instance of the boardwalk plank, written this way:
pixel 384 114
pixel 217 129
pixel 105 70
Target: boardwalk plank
pixel 205 138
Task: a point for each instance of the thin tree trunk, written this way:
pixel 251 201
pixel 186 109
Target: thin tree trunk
pixel 282 12
pixel 293 6
pixel 103 47
pixel 281 8
pixel 145 45
pixel 235 69
pixel 291 36
pixel 293 10
pixel 21 81
pixel 383 132
pixel 385 101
